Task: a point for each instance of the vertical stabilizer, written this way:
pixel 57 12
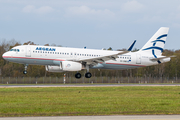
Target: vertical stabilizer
pixel 156 44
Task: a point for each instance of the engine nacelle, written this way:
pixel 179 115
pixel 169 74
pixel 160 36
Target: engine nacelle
pixel 70 66
pixel 50 68
pixel 65 66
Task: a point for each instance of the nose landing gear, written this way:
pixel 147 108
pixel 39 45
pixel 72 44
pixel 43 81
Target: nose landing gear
pixel 25 71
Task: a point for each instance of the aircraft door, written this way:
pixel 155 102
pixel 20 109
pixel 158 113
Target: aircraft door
pixel 17 50
pixel 28 51
pixel 138 58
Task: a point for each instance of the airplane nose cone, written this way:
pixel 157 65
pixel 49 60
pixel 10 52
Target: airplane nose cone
pixel 4 56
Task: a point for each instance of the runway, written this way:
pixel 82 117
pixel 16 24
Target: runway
pixel 118 117
pixel 85 85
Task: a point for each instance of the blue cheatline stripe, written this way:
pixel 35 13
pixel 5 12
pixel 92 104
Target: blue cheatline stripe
pixel 154 53
pixel 165 35
pixel 158 48
pixel 159 41
pixel 159 61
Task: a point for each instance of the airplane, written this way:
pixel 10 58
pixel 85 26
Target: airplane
pixel 64 59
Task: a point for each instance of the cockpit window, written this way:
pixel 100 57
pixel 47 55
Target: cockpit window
pixel 15 50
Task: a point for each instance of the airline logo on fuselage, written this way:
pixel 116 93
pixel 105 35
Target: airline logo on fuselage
pixel 45 49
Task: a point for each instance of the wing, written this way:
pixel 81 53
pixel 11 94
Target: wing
pixel 101 59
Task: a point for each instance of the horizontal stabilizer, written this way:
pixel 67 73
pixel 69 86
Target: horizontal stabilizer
pixel 161 58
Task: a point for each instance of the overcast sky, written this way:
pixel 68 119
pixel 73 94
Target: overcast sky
pixel 92 23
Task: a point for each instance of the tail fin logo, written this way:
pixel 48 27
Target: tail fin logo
pixel 156 47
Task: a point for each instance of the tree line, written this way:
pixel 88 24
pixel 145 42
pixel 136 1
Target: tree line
pixel 8 69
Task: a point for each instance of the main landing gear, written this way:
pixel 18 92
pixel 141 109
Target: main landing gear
pixel 78 75
pixel 87 75
pixel 25 71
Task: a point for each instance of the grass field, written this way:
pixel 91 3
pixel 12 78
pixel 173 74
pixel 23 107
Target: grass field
pixel 61 101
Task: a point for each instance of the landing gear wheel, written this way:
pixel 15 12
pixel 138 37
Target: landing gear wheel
pixel 78 75
pixel 25 67
pixel 25 72
pixel 88 75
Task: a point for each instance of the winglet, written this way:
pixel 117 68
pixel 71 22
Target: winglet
pixel 132 45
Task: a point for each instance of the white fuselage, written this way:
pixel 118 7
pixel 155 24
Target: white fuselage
pixel 48 55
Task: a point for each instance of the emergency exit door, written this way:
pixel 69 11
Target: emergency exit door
pixel 138 58
pixel 28 51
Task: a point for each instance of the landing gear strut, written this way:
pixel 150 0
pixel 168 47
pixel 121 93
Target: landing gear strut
pixel 88 74
pixel 25 71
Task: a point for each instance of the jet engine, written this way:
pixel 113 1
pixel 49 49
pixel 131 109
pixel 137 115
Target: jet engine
pixel 50 68
pixel 65 66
